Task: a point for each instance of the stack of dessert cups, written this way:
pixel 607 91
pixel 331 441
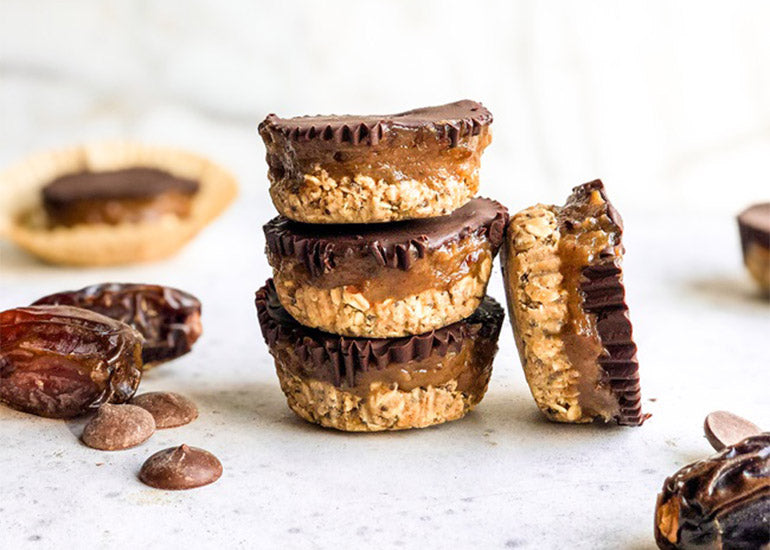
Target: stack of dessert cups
pixel 377 315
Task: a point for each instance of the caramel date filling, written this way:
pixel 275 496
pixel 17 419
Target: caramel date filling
pixel 439 269
pixel 469 367
pixel 411 154
pixel 116 211
pixel 585 232
pixel 128 195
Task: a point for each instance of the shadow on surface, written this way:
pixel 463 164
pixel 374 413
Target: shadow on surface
pixel 243 402
pixel 13 259
pixel 728 289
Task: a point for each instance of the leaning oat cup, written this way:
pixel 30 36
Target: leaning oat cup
pixel 386 280
pixel 566 301
pixel 110 203
pixel 367 385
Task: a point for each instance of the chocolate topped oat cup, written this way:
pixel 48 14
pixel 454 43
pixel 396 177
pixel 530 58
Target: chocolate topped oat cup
pixel 363 384
pixel 386 280
pixel 566 300
pixel 378 168
pixel 754 227
pixel 110 203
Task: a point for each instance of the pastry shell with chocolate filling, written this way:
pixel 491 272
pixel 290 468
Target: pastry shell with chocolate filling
pixel 362 384
pixel 23 220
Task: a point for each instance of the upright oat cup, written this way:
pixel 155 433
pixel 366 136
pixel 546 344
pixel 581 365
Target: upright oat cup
pixel 386 280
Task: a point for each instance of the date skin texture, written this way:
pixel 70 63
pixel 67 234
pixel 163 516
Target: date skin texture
pixel 62 361
pixel 169 319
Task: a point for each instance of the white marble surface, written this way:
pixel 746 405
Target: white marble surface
pixel 669 103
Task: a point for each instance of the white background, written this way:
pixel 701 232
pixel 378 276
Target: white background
pixel 667 102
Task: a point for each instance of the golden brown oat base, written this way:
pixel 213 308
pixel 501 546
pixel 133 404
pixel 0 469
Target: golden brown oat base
pixel 362 199
pixel 338 311
pixel 23 221
pixel 384 408
pixel 537 303
pixel 757 260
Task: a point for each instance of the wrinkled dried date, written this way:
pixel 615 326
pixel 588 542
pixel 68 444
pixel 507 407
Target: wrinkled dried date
pixel 61 361
pixel 722 502
pixel 169 319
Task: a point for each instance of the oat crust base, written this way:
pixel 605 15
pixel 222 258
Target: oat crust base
pixel 538 311
pixel 22 218
pixel 362 199
pixel 341 312
pixel 384 408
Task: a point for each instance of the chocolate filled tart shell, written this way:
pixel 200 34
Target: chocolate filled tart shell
pixel 566 300
pixel 754 227
pixel 362 384
pixel 23 218
pixel 377 168
pixel 386 280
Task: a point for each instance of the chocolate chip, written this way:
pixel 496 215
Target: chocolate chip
pixel 725 428
pixel 167 408
pixel 180 467
pixel 117 427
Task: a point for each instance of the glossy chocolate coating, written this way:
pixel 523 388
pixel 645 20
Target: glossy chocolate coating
pixel 339 359
pixel 451 122
pixel 321 247
pixel 722 502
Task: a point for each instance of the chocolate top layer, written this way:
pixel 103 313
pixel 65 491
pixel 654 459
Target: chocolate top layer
pixel 345 356
pixel 709 491
pixel 396 244
pixel 453 121
pixel 605 297
pixel 128 183
pixel 754 224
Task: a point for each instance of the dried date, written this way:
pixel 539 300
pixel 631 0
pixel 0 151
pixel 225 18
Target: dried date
pixel 169 319
pixel 722 502
pixel 61 361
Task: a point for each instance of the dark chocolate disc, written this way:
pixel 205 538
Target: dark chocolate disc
pixel 128 183
pixel 344 356
pixel 452 121
pixel 396 244
pixel 723 428
pixel 179 468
